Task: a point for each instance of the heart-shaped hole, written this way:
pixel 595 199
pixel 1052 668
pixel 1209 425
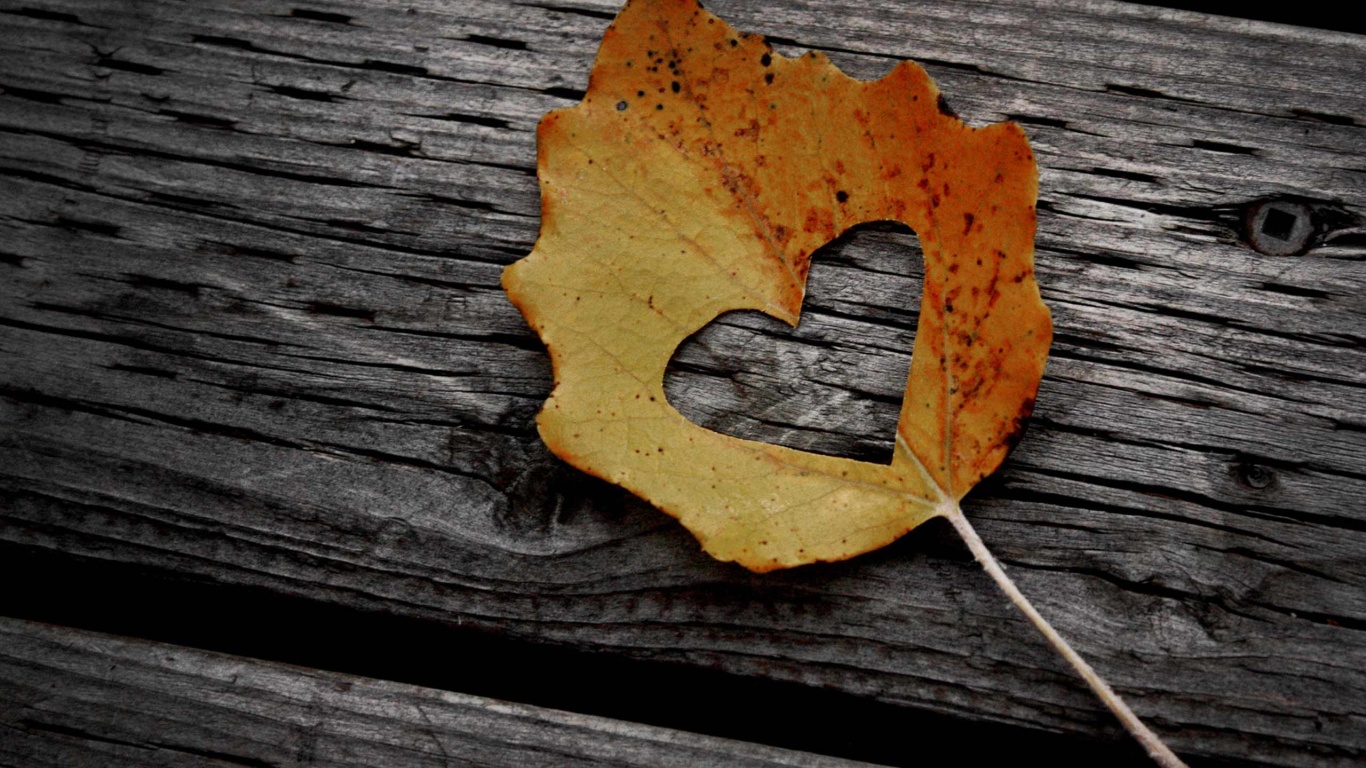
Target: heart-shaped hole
pixel 834 384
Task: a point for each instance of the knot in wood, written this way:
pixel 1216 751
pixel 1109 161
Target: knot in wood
pixel 1254 475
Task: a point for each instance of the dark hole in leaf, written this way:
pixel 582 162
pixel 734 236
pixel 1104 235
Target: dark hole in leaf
pixel 834 384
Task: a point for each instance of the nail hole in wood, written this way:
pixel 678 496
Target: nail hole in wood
pixel 1278 224
pixel 1278 227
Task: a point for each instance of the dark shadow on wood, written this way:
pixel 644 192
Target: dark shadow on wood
pixel 1323 15
pixel 124 600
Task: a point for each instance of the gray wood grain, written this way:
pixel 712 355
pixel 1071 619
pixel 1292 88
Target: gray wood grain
pixel 72 698
pixel 251 329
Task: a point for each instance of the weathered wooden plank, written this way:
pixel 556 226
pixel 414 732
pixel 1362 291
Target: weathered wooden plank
pixel 251 328
pixel 73 698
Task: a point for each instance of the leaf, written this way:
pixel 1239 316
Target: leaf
pixel 698 175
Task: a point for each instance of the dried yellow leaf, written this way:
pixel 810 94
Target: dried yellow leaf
pixel 698 176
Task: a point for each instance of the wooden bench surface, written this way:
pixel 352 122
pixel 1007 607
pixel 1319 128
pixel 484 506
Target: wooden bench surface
pixel 77 698
pixel 251 331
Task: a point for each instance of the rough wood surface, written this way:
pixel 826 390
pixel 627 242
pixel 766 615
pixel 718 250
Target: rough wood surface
pixel 71 698
pixel 251 328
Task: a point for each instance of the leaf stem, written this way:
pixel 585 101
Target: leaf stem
pixel 1157 750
